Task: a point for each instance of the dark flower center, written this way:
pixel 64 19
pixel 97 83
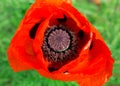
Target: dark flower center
pixel 60 45
pixel 59 40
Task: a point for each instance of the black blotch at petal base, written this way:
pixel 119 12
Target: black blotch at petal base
pixel 33 30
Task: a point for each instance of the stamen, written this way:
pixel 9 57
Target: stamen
pixel 60 45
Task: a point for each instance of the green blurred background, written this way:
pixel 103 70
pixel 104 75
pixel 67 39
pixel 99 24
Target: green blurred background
pixel 105 17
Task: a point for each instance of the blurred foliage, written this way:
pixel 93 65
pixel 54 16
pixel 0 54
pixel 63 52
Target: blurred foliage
pixel 105 17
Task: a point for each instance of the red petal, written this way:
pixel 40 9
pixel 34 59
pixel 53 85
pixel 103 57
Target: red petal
pixel 14 62
pixel 51 2
pixel 97 33
pixel 81 21
pixel 100 64
pixel 20 53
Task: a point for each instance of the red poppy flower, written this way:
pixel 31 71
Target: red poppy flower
pixel 60 43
